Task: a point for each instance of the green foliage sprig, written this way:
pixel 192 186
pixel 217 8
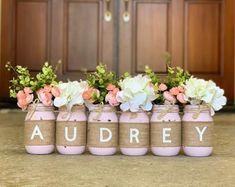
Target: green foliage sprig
pixel 24 79
pixel 47 76
pixel 176 76
pixel 100 79
pixel 153 76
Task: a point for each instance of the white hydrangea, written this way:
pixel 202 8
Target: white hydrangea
pixel 199 91
pixel 71 94
pixel 136 93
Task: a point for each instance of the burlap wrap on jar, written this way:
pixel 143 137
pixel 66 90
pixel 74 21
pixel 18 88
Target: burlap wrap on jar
pixel 71 133
pixel 102 134
pixel 197 130
pixel 39 128
pixel 125 139
pixel 173 128
pixel 191 134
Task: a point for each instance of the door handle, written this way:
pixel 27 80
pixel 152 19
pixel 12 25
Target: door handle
pixel 126 14
pixel 108 13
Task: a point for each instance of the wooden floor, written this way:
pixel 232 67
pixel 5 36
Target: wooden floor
pixel 21 169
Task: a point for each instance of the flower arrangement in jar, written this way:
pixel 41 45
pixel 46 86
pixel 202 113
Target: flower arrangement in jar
pixel 136 95
pixel 203 99
pixel 71 120
pixel 100 98
pixel 165 121
pixel 36 94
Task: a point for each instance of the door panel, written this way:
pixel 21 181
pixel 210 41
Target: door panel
pixel 198 34
pixel 148 35
pixel 151 34
pixel 31 33
pixel 203 25
pixel 87 37
pixel 81 42
pixel 74 31
pixel 209 42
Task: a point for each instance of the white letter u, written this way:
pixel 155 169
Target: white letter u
pixel 74 134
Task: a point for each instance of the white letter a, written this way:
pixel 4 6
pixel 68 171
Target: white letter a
pixel 36 132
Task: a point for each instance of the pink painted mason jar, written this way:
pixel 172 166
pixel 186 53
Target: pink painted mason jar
pixel 39 129
pixel 71 130
pixel 197 131
pixel 102 136
pixel 165 130
pixel 134 133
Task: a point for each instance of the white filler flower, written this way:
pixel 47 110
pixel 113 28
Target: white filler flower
pixel 136 93
pixel 71 94
pixel 199 91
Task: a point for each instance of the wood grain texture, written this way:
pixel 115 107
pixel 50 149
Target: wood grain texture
pixel 203 36
pixel 198 33
pixel 150 35
pixel 32 33
pixel 208 42
pixel 87 39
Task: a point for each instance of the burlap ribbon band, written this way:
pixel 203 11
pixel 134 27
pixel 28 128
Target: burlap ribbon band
pixel 107 140
pixel 128 141
pixel 172 136
pixel 71 133
pixel 39 132
pixel 192 131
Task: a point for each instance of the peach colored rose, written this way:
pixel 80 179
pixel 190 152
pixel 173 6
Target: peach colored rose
pixel 174 91
pixel 181 98
pixel 55 91
pixel 90 93
pixel 24 98
pixel 169 97
pixel 162 87
pixel 45 97
pixel 111 99
pixel 181 89
pixel 111 87
pixel 87 94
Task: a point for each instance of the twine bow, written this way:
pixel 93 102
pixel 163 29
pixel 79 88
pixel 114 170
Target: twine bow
pixel 66 115
pixel 164 112
pixel 99 110
pixel 197 111
pixel 32 111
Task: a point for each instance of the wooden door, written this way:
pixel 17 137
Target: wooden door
pixel 198 34
pixel 74 31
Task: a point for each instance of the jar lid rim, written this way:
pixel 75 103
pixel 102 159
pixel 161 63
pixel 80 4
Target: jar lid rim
pixel 40 107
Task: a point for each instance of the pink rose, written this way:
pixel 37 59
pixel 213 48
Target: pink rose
pixel 48 88
pixel 55 91
pixel 174 91
pixel 111 87
pixel 111 99
pixel 28 90
pixel 169 97
pixel 162 87
pixel 44 96
pixel 181 98
pixel 24 98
